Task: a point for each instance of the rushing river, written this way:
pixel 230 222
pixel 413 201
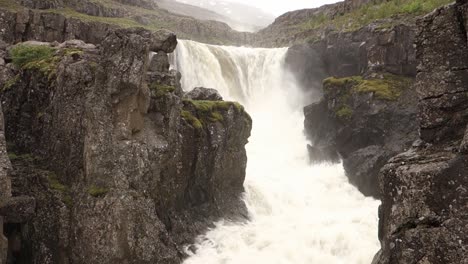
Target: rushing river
pixel 300 213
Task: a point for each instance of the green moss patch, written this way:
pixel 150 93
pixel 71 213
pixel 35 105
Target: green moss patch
pixel 193 121
pixel 207 111
pixel 389 88
pixel 344 112
pixel 55 183
pixel 11 82
pixel 96 191
pixel 161 90
pixel 10 5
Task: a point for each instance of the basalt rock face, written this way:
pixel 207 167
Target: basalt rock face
pixel 121 168
pixel 363 125
pixel 357 126
pixel 423 216
pixel 362 52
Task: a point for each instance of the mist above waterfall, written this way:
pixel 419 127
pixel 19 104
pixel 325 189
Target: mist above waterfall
pixel 298 213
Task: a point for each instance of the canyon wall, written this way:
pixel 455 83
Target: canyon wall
pixel 109 163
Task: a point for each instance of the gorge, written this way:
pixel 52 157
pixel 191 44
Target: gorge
pixel 130 134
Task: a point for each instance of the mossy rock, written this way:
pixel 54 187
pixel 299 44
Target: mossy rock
pixel 200 112
pixel 161 90
pixel 389 88
pixel 96 191
pixel 11 82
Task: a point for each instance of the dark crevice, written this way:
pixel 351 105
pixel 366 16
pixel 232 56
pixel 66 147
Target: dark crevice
pixel 444 94
pixel 428 222
pixel 461 23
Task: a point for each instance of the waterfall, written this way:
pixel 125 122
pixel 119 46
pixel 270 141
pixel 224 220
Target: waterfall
pixel 300 213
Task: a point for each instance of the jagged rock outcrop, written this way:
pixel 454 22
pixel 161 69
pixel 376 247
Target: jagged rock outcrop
pixel 366 122
pixel 423 216
pixel 200 93
pixel 122 169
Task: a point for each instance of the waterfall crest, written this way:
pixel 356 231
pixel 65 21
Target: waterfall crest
pixel 299 213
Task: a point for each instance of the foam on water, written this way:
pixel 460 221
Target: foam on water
pixel 300 213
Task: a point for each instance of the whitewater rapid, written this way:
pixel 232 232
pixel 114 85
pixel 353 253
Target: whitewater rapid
pixel 300 213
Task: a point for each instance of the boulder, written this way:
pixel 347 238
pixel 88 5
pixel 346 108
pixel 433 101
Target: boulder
pixel 200 93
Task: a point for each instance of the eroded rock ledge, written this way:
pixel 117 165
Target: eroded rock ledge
pixel 120 168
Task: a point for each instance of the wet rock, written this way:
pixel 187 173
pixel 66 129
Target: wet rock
pixel 200 93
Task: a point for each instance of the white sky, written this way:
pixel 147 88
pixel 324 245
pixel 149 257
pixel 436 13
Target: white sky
pixel 278 7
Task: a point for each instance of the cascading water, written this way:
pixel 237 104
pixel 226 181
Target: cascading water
pixel 299 213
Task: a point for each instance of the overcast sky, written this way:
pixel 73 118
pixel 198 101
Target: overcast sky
pixel 278 7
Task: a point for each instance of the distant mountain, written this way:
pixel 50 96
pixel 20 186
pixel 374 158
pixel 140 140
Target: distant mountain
pixel 238 16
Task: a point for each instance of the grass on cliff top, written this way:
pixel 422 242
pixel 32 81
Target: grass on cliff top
pixel 33 57
pixel 118 21
pixel 38 57
pixel 368 13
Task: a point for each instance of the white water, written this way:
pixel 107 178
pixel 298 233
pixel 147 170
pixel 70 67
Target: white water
pixel 299 213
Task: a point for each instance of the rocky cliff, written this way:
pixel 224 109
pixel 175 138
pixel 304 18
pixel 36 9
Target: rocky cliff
pixel 364 122
pixel 91 20
pixel 423 216
pixel 368 104
pixel 109 163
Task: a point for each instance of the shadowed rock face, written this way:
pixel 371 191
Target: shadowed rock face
pixel 425 199
pixel 119 169
pixel 363 127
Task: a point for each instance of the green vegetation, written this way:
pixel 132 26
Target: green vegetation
pixel 23 55
pixel 41 58
pixel 96 191
pixel 119 21
pixel 10 5
pixel 23 157
pixel 193 121
pixel 161 90
pixel 332 81
pixel 11 82
pixel 38 57
pixel 368 13
pixel 208 111
pixel 63 190
pixel 344 112
pixel 55 183
pixel 389 88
